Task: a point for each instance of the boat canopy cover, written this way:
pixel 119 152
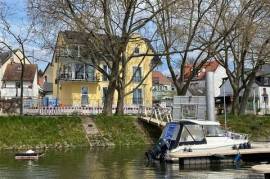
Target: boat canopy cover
pixel 200 122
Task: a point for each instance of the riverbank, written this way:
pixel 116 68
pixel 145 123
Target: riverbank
pixel 40 132
pixel 24 132
pixel 257 127
pixel 122 130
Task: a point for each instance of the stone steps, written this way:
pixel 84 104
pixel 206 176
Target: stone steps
pixel 94 136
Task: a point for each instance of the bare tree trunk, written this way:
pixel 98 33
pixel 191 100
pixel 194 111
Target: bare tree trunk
pixel 243 103
pixel 180 92
pixel 108 102
pixel 182 88
pixel 235 104
pixel 244 100
pixel 120 101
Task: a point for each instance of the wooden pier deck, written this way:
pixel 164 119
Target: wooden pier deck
pixel 264 168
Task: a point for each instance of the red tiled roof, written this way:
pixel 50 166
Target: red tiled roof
pixel 207 67
pixel 13 72
pixel 159 78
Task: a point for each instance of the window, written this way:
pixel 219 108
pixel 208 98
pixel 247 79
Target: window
pixel 84 96
pixel 265 96
pixel 105 68
pixel 136 50
pixel 89 73
pixel 189 111
pixel 192 133
pixel 171 131
pixel 156 80
pixel 137 74
pixel 79 71
pixel 137 96
pixel 213 131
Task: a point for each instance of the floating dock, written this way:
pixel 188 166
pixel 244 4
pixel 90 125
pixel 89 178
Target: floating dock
pixel 28 156
pixel 258 152
pixel 265 169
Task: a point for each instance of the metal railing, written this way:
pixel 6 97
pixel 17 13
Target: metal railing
pixel 78 77
pixel 158 113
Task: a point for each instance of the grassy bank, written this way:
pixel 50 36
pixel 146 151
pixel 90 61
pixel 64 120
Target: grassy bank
pixel 258 127
pixel 121 130
pixel 18 132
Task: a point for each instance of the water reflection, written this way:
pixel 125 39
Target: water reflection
pixel 127 162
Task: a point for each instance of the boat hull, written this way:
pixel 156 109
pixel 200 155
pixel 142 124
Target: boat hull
pixel 212 144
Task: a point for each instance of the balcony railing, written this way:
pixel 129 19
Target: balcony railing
pixel 78 77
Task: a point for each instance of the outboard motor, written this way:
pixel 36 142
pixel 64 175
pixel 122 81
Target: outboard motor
pixel 158 151
pixel 167 141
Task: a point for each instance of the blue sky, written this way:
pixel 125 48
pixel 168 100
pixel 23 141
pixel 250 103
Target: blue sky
pixel 18 19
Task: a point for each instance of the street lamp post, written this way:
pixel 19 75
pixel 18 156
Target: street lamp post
pixel 254 101
pixel 224 104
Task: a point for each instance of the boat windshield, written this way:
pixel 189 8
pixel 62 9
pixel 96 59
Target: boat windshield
pixel 213 131
pixel 171 131
pixel 191 133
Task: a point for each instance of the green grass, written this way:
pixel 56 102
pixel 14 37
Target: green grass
pixel 28 131
pixel 121 130
pixel 258 127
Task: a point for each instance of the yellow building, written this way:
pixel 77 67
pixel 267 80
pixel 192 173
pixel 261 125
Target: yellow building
pixel 76 83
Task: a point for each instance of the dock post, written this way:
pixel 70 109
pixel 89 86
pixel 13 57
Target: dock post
pixel 210 98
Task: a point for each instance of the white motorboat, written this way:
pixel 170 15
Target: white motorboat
pixel 195 135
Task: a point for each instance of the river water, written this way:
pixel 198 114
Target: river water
pixel 126 162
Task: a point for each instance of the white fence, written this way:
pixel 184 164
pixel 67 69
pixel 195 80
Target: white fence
pixel 132 110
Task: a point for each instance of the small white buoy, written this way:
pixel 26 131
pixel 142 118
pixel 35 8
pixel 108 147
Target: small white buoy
pixel 30 151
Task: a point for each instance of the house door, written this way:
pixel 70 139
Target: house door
pixel 84 96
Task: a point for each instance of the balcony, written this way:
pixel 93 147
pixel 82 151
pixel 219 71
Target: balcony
pixel 78 77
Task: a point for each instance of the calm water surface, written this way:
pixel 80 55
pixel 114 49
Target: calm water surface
pixel 109 163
